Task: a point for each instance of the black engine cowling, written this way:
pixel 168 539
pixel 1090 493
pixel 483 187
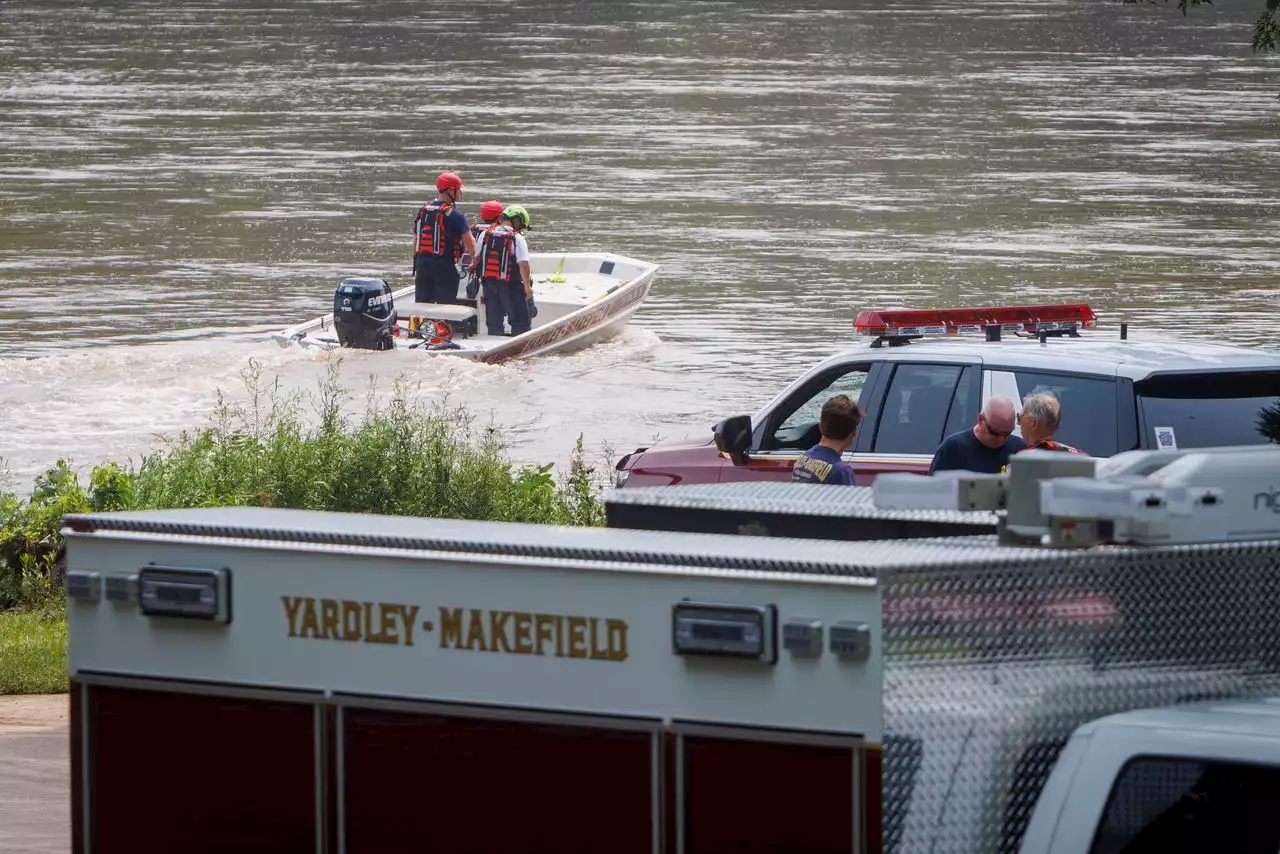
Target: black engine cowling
pixel 364 314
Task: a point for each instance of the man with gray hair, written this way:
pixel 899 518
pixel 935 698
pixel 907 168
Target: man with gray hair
pixel 987 447
pixel 1039 419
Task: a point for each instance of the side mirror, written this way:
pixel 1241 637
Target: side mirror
pixel 733 437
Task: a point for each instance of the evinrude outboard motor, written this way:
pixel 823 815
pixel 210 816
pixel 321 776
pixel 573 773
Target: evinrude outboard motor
pixel 364 314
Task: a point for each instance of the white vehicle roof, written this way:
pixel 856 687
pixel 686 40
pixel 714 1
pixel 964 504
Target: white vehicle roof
pixel 1091 353
pixel 1258 718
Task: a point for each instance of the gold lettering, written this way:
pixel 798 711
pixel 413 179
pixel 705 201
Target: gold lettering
pixel 291 606
pixel 518 632
pixel 524 633
pixel 597 651
pixel 498 631
pixel 475 632
pixel 350 621
pixel 371 632
pixel 541 622
pixel 577 637
pixel 310 628
pixel 386 625
pixel 617 633
pixel 409 616
pixel 450 627
pixel 329 619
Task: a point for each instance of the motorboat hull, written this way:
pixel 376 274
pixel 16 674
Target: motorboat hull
pixel 580 300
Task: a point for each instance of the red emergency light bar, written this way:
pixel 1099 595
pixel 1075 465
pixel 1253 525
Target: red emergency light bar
pixel 911 323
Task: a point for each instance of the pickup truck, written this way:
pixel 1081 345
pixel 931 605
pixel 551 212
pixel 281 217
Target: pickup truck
pixel 1195 777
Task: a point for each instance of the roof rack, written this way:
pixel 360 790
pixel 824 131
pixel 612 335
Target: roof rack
pixel 901 326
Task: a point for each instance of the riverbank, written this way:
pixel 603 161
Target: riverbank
pixel 402 458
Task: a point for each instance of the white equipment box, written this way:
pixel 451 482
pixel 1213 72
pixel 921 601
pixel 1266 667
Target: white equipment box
pixel 273 680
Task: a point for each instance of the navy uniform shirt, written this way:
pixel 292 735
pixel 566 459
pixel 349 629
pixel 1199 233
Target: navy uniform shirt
pixel 821 464
pixel 963 452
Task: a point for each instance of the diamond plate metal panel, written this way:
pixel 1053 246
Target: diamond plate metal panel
pixel 783 497
pixel 773 509
pixel 990 664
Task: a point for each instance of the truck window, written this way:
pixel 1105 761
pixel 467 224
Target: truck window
pixel 1088 409
pixel 799 414
pixel 1170 806
pixel 915 409
pixel 1208 410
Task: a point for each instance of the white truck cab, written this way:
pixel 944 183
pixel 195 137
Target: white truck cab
pixel 1195 777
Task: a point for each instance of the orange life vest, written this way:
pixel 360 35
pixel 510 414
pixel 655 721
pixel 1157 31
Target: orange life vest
pixel 432 237
pixel 498 260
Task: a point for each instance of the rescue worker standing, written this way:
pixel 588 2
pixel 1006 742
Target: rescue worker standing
pixel 490 213
pixel 440 235
pixel 1039 419
pixel 503 264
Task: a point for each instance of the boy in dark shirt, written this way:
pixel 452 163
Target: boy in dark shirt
pixel 838 424
pixel 987 447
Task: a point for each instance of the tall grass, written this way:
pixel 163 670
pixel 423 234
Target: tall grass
pixel 277 449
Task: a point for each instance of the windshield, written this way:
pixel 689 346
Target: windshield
pixel 1211 410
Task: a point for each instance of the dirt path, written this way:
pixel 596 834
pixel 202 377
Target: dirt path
pixel 34 784
pixel 33 712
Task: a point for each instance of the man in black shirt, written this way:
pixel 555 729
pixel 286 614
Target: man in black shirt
pixel 987 447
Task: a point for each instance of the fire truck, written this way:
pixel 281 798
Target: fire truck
pixel 249 679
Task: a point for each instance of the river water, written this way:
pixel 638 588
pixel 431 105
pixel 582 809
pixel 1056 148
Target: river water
pixel 178 179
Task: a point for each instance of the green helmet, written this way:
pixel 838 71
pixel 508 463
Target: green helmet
pixel 518 212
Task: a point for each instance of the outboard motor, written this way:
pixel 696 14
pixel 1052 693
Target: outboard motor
pixel 364 315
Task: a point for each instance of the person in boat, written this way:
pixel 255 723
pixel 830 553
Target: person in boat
pixel 838 423
pixel 490 213
pixel 987 447
pixel 1039 419
pixel 440 234
pixel 503 265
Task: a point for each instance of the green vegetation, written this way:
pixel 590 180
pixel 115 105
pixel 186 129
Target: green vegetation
pixel 401 458
pixel 33 654
pixel 1266 29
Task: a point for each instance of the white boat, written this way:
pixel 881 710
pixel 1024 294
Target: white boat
pixel 581 298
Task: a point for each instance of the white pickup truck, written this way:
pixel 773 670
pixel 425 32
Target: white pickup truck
pixel 1198 777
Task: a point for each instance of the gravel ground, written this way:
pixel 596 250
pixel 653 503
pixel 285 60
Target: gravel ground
pixel 34 777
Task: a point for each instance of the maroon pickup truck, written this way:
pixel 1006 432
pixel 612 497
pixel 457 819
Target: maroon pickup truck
pixel 925 375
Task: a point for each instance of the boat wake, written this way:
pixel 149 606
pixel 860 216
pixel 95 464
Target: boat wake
pixel 116 404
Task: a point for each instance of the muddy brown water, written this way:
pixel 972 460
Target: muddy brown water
pixel 177 180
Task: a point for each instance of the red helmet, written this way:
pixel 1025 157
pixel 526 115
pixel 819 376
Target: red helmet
pixel 490 211
pixel 448 181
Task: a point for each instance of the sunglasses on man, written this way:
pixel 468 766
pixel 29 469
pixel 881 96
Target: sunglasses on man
pixel 993 431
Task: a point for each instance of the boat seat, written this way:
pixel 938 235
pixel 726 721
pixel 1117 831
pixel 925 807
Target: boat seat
pixel 435 310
